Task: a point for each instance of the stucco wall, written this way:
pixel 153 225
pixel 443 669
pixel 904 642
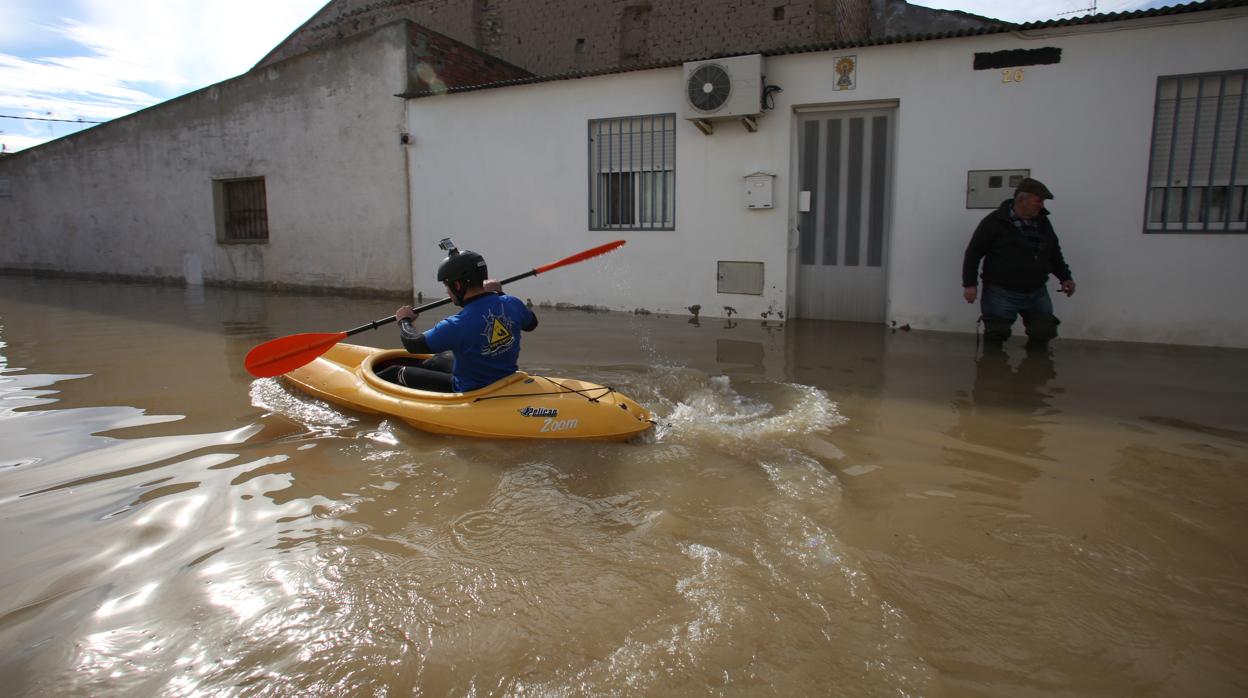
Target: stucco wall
pixel 135 196
pixel 515 188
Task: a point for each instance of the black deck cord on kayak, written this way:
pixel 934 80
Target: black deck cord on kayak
pixel 608 390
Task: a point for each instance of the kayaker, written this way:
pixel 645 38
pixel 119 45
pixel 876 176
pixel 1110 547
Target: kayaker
pixel 474 347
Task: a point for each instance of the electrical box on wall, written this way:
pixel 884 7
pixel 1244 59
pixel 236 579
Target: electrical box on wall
pixel 988 188
pixel 740 277
pixel 758 189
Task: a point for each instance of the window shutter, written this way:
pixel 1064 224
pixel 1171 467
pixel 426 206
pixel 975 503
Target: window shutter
pixel 635 144
pixel 1199 147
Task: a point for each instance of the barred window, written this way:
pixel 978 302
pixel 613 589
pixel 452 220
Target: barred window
pixel 242 210
pixel 632 173
pixel 1198 167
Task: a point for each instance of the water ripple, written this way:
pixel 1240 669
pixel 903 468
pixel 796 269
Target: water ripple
pixel 315 415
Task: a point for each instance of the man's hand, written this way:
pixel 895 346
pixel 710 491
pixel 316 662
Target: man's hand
pixel 492 286
pixel 970 293
pixel 1068 287
pixel 405 313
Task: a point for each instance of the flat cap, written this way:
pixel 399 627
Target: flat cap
pixel 1034 186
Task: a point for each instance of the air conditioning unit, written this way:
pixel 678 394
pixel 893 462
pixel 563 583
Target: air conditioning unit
pixel 724 88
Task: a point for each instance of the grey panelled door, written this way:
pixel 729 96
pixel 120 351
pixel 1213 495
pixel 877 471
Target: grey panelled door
pixel 844 174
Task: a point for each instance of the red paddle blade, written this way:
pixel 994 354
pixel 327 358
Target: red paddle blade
pixel 580 256
pixel 285 354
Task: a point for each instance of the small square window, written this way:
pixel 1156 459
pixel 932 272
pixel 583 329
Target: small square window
pixel 242 210
pixel 777 13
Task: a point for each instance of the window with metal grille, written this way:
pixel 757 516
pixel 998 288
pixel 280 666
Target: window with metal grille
pixel 245 215
pixel 632 173
pixel 1198 167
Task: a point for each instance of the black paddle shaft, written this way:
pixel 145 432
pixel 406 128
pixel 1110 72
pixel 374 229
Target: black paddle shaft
pixel 430 306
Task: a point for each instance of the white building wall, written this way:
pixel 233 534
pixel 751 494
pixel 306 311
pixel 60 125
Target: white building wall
pixel 1083 127
pixel 135 197
pixel 505 171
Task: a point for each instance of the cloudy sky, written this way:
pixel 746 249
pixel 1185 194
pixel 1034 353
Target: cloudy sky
pixel 100 59
pixel 95 60
pixel 1040 10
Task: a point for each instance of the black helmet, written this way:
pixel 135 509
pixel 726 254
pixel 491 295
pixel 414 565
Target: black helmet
pixel 466 266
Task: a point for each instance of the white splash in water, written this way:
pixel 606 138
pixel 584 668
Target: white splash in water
pixel 384 434
pixel 713 409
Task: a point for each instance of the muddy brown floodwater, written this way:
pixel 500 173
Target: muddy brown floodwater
pixel 824 509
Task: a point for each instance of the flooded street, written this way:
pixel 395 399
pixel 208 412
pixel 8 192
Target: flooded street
pixel 824 509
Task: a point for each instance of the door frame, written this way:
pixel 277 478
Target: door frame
pixel 794 237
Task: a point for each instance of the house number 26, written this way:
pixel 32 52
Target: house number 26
pixel 1012 75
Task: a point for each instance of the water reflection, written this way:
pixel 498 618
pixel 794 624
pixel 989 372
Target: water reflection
pixel 1008 403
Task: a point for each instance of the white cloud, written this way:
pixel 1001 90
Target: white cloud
pixel 130 54
pixel 194 43
pixel 23 80
pixel 17 20
pixel 13 142
pixel 1039 10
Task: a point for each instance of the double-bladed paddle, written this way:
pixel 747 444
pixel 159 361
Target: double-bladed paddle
pixel 278 356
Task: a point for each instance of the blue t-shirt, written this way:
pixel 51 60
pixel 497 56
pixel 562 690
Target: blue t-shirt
pixel 485 337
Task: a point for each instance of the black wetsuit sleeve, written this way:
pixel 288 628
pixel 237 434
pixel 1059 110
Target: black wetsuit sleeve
pixel 413 341
pixel 531 323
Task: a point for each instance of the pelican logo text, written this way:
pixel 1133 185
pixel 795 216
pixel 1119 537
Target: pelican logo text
pixel 539 412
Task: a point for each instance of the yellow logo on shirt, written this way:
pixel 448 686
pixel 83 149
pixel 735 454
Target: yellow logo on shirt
pixel 499 333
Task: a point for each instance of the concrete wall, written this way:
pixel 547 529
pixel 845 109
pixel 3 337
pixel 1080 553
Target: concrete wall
pixel 549 37
pixel 515 188
pixel 135 197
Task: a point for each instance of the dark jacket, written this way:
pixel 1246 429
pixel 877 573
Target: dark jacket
pixel 1008 260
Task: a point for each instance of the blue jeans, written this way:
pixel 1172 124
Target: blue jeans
pixel 998 302
pixel 1001 306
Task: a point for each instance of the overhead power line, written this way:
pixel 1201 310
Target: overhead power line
pixel 36 118
pixel 1080 10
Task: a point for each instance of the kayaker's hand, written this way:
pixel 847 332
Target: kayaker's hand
pixel 970 293
pixel 405 313
pixel 492 286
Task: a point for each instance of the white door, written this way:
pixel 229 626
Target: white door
pixel 842 219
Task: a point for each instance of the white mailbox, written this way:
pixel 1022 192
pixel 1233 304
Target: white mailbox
pixel 758 189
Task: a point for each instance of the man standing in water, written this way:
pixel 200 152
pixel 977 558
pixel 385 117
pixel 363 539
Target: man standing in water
pixel 1020 250
pixel 475 347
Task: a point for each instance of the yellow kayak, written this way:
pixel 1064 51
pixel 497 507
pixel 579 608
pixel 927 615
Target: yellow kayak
pixel 520 406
